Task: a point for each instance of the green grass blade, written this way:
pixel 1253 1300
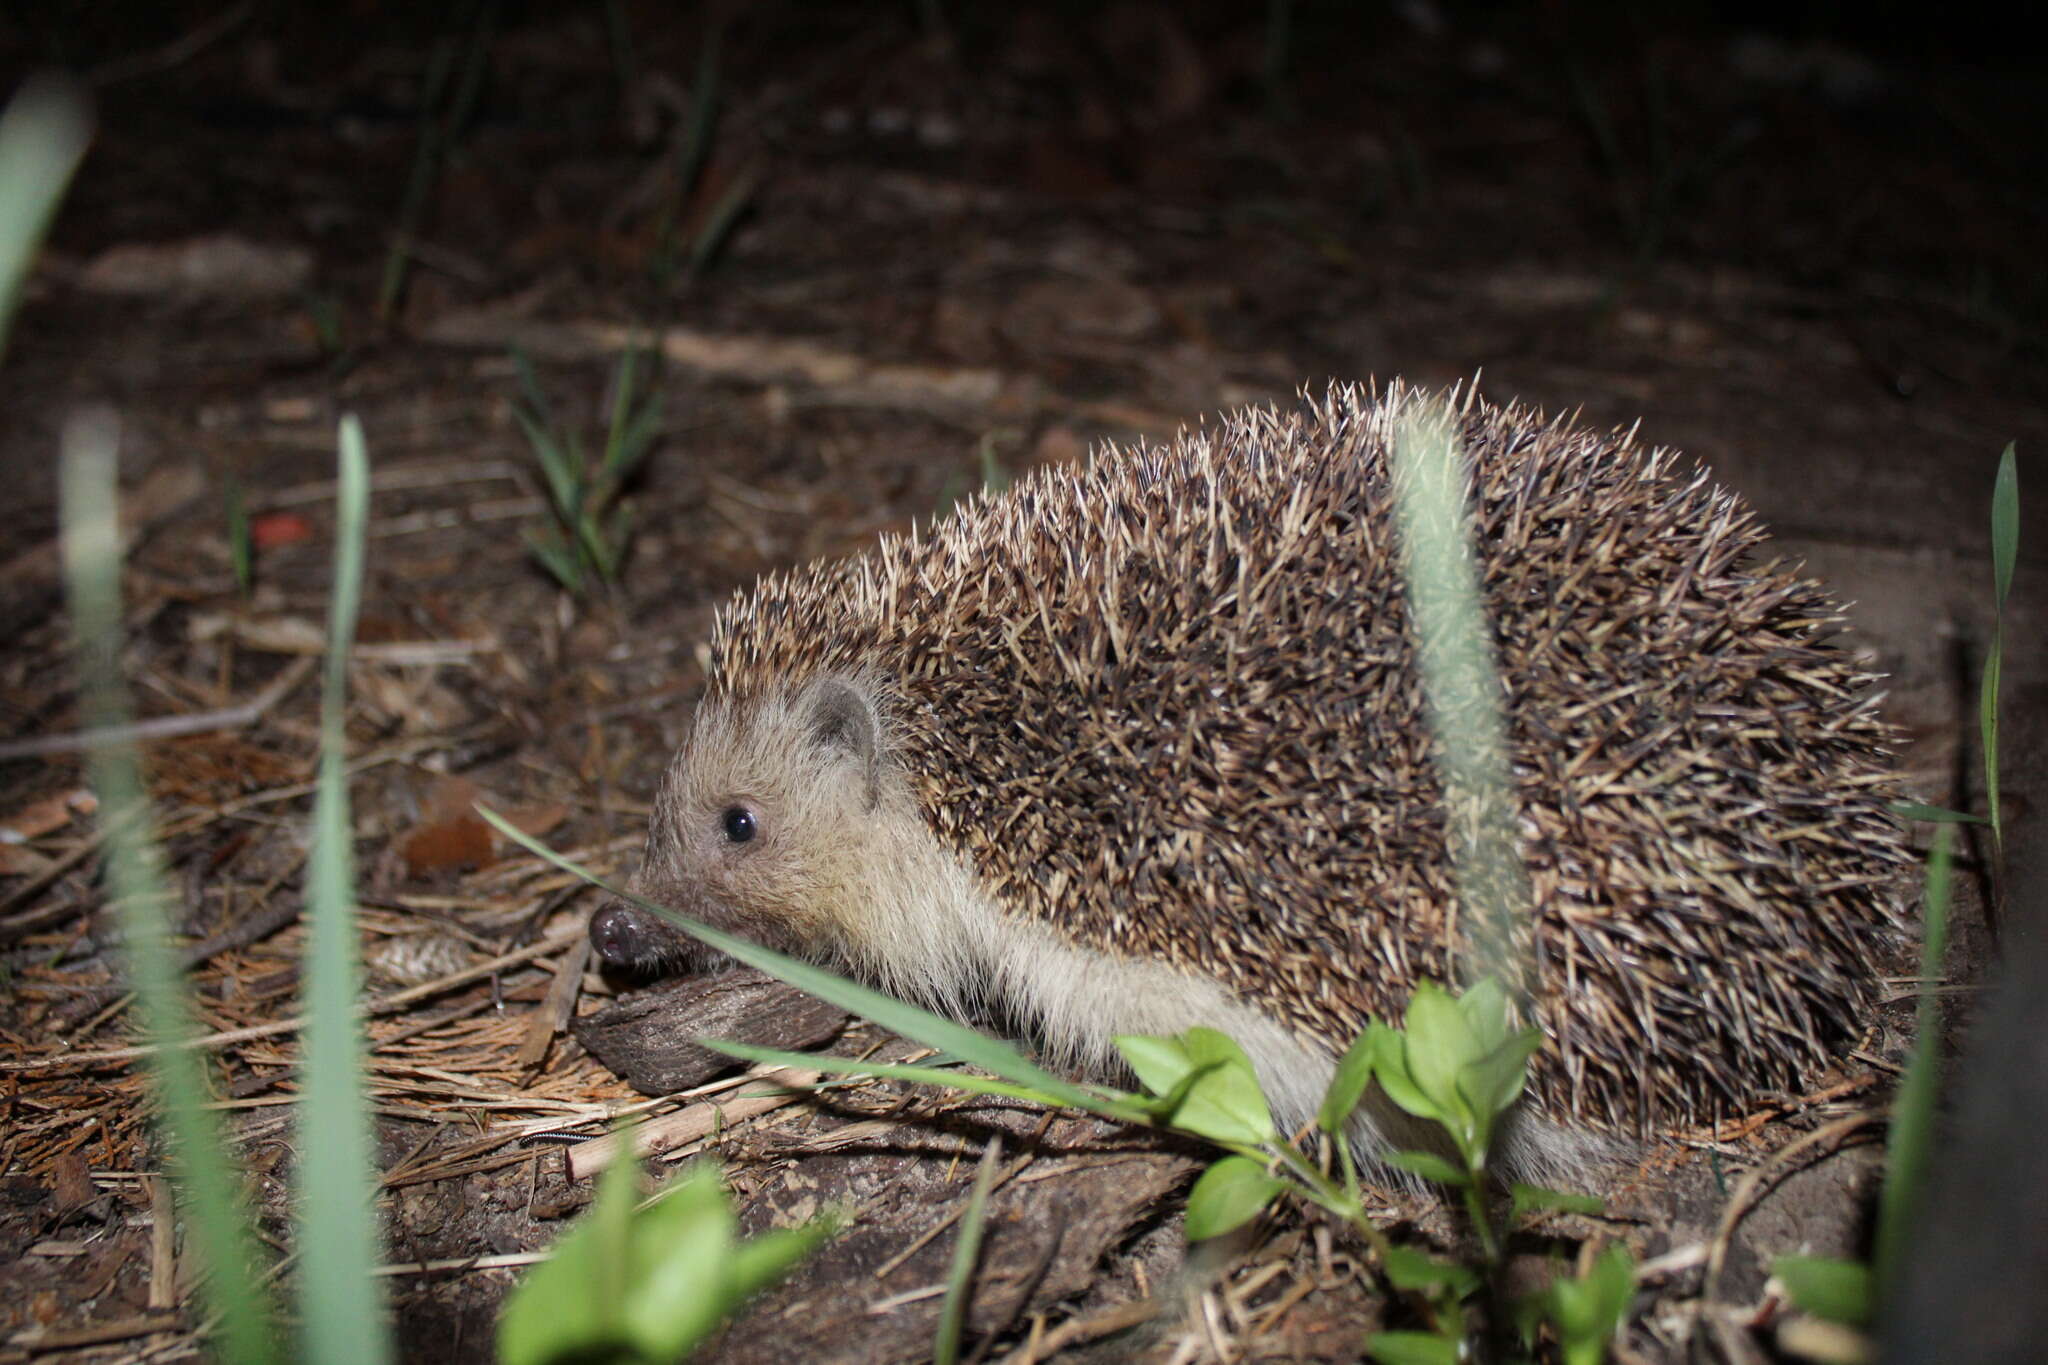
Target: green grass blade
pixel 2005 547
pixel 438 133
pixel 420 179
pixel 1987 727
pixel 43 136
pixel 212 1193
pixel 618 432
pixel 341 1304
pixel 719 224
pixel 966 1252
pixel 529 387
pixel 1071 1097
pixel 695 149
pixel 555 464
pixel 2005 522
pixel 241 546
pixel 1909 1150
pixel 891 1013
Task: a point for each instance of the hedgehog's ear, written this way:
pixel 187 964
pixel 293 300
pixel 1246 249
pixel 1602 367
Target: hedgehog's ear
pixel 843 717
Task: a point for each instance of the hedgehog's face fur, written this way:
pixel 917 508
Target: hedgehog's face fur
pixel 782 819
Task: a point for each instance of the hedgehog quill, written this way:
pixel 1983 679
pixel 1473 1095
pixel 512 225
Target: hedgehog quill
pixel 1141 745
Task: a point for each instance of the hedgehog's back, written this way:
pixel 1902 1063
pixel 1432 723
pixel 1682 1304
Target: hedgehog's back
pixel 1168 703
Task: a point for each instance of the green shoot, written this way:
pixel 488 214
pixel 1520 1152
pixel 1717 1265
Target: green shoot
pixel 1911 1147
pixel 212 1193
pixel 340 1298
pixel 966 1253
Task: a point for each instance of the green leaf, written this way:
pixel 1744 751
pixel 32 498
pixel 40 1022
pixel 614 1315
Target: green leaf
pixel 1390 1068
pixel 1208 1082
pixel 1485 1008
pixel 1587 1310
pixel 1839 1291
pixel 1225 1102
pixel 1440 1044
pixel 2005 523
pixel 1492 1083
pixel 575 1299
pixel 1429 1166
pixel 555 556
pixel 680 1251
pixel 1412 1270
pixel 1530 1198
pixel 556 464
pixel 1161 1065
pixel 1348 1084
pixel 1412 1348
pixel 1230 1193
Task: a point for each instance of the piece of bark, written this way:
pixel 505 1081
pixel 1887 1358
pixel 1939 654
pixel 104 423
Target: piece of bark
pixel 650 1038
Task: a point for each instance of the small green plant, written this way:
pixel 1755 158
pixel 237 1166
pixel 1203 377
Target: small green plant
pixel 638 1283
pixel 591 522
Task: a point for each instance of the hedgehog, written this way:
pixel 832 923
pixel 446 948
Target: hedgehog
pixel 1141 745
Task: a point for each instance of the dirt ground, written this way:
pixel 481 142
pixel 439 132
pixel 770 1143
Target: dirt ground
pixel 1809 259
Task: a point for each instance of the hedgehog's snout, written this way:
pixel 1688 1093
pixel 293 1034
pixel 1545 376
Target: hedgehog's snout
pixel 629 939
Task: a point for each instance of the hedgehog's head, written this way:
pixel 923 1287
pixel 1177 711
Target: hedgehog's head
pixel 781 818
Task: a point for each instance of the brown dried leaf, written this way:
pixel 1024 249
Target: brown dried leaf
pixel 38 818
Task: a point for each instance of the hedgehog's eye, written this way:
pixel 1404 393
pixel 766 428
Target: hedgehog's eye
pixel 740 824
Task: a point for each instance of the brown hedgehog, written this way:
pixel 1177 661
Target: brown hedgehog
pixel 1140 746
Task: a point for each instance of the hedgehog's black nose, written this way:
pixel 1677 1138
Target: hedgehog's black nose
pixel 619 937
